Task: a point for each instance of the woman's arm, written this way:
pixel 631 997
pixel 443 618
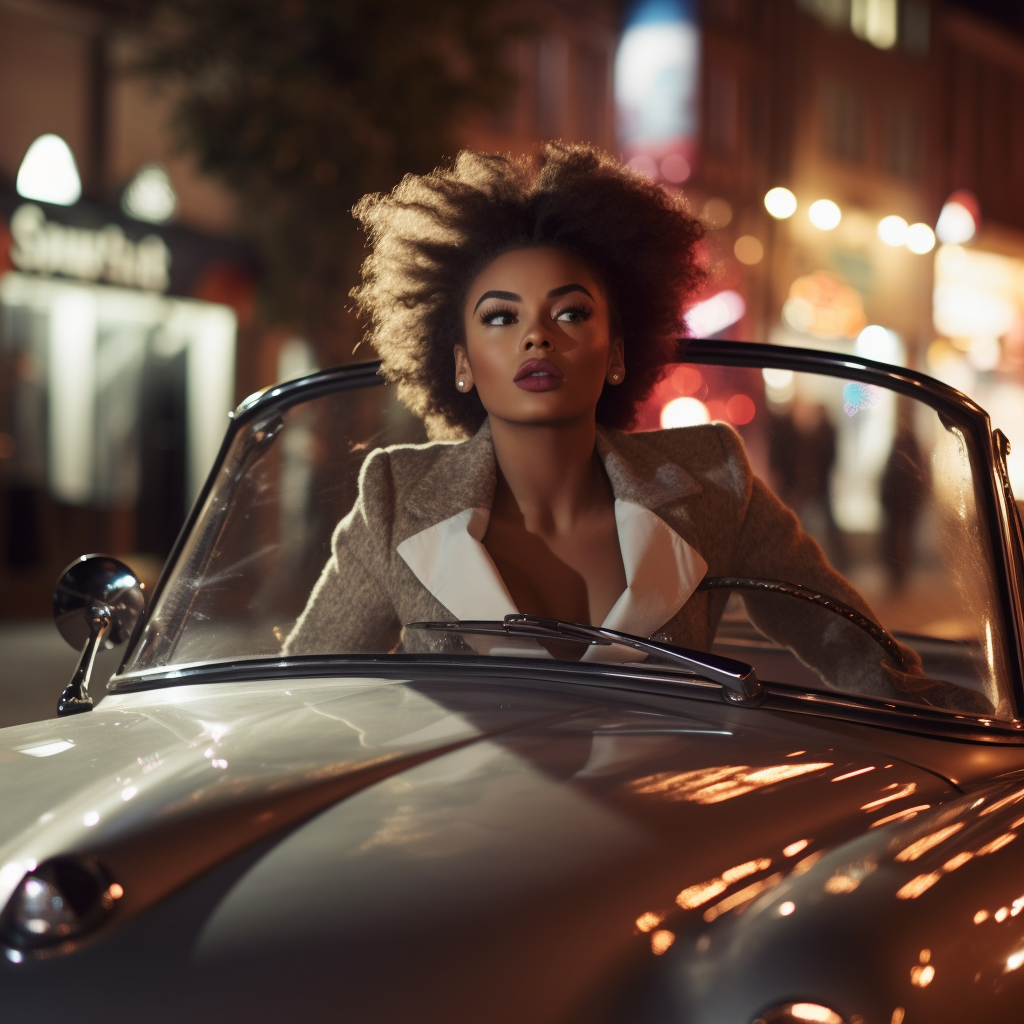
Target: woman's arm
pixel 771 544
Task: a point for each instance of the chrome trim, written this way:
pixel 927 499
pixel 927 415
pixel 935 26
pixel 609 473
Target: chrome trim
pixel 737 679
pixel 411 668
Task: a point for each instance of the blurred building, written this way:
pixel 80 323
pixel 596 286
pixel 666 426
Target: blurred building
pixel 126 307
pixel 877 123
pixel 829 142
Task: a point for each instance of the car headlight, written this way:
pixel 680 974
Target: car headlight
pixel 800 1013
pixel 57 901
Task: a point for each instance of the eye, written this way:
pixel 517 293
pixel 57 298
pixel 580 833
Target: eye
pixel 573 314
pixel 501 316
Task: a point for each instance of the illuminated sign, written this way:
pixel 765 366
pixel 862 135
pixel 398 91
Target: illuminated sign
pixel 657 73
pixel 107 254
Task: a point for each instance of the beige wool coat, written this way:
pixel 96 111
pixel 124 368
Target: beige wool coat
pixel 697 481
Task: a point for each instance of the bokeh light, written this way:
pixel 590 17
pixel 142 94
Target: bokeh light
pixel 675 168
pixel 150 195
pixel 825 214
pixel 877 342
pixel 984 353
pixel 684 412
pixel 920 238
pixel 684 380
pixel 748 250
pixel 740 409
pixel 48 173
pixel 645 165
pixel 822 304
pixel 779 388
pixel 780 203
pixel 958 219
pixel 716 213
pixel 715 314
pixel 892 230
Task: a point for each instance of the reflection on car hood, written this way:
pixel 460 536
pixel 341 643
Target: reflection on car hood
pixel 335 828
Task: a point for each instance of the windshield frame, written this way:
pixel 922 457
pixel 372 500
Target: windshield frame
pixel 994 504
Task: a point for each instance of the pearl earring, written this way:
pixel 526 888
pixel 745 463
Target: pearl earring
pixel 461 384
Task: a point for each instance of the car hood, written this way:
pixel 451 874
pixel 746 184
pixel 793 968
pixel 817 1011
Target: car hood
pixel 330 833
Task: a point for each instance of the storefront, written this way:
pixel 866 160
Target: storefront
pixel 978 314
pixel 117 370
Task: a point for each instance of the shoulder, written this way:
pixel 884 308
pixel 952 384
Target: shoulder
pixel 698 449
pixel 429 482
pixel 400 467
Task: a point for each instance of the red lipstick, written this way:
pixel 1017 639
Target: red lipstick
pixel 538 375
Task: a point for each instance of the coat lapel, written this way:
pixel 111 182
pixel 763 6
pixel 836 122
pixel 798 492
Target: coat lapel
pixel 444 522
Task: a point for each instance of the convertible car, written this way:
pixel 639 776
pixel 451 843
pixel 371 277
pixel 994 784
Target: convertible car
pixel 504 828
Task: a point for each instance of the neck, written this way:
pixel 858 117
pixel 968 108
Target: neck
pixel 549 475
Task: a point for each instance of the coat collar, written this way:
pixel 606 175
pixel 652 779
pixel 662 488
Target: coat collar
pixel 464 476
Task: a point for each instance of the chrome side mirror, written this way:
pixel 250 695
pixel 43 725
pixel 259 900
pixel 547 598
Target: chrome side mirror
pixel 96 603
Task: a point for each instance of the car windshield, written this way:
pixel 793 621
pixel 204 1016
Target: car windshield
pixel 894 484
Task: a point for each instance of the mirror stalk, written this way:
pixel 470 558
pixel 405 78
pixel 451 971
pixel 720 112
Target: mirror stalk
pixel 75 698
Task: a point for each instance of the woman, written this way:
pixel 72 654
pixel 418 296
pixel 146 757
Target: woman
pixel 530 306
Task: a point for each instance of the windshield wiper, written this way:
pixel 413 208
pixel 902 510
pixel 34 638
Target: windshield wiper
pixel 739 683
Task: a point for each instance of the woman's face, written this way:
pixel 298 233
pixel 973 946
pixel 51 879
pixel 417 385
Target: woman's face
pixel 538 338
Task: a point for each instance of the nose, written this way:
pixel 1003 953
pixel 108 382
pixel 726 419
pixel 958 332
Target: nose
pixel 536 337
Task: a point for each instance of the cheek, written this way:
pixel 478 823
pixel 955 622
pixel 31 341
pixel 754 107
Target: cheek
pixel 482 358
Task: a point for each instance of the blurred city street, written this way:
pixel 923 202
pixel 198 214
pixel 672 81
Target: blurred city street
pixel 176 233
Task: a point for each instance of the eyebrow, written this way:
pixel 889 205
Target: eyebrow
pixel 566 288
pixel 507 296
pixel 513 297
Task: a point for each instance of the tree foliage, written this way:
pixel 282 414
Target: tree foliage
pixel 302 106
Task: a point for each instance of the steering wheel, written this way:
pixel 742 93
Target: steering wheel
pixel 882 637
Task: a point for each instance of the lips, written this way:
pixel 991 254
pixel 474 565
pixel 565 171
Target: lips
pixel 538 375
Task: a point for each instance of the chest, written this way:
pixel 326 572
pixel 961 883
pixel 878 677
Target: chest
pixel 575 575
